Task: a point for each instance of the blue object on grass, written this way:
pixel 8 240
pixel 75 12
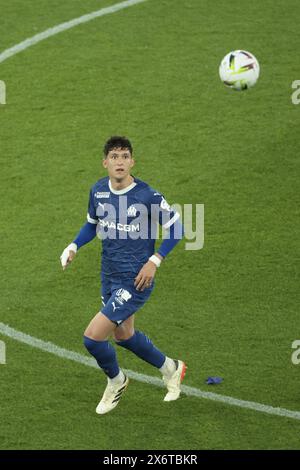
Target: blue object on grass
pixel 214 380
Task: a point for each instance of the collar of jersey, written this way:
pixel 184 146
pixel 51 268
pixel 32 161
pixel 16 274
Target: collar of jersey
pixel 121 191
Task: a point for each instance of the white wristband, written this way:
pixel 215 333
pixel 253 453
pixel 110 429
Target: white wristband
pixel 65 254
pixel 155 259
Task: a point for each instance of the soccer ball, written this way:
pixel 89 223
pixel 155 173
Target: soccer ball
pixel 239 70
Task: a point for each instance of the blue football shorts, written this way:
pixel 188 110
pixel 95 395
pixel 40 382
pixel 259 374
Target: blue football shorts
pixel 120 299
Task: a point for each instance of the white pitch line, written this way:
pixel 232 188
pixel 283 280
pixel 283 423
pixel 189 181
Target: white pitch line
pixel 64 26
pixel 190 391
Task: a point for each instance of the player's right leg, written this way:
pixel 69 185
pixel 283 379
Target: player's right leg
pixel 95 340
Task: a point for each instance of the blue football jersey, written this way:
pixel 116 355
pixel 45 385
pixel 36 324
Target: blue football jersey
pixel 127 222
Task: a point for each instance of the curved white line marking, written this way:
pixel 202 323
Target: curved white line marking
pixel 190 391
pixel 64 26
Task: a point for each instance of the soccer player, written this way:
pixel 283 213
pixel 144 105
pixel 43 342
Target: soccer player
pixel 124 212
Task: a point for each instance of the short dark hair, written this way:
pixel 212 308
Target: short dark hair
pixel 117 141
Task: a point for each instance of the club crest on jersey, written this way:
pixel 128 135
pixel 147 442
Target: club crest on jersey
pixel 122 295
pixel 98 195
pixel 131 211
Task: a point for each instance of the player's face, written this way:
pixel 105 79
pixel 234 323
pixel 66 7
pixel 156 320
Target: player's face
pixel 118 163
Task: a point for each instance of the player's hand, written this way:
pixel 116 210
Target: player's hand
pixel 68 255
pixel 145 277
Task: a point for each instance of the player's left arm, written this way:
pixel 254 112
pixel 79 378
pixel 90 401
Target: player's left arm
pixel 174 233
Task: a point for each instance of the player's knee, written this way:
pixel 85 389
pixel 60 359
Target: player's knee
pixel 89 333
pixel 89 343
pixel 95 331
pixel 94 346
pixel 123 333
pixel 100 349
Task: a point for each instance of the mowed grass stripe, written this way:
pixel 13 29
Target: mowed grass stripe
pixel 189 391
pixel 64 26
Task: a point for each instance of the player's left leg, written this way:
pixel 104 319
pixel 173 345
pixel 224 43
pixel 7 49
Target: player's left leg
pixel 137 342
pixel 125 330
pixel 173 371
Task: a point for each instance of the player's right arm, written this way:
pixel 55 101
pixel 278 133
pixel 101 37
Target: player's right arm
pixel 85 235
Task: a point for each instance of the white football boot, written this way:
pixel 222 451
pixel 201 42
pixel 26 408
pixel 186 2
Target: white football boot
pixel 111 396
pixel 173 382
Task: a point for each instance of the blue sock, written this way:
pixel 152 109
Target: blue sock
pixel 143 347
pixel 104 354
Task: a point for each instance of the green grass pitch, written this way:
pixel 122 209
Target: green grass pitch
pixel 231 309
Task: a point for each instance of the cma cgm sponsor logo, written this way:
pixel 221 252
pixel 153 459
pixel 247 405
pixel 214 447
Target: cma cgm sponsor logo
pixel 98 195
pixel 122 295
pixel 119 226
